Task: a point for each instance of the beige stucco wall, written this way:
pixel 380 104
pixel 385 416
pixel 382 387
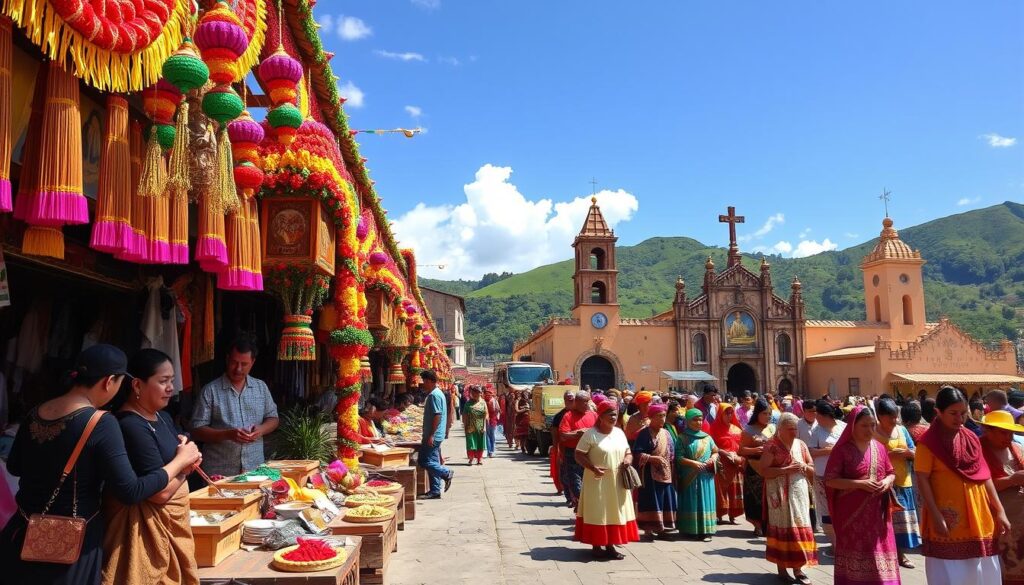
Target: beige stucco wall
pixel 822 338
pixel 638 352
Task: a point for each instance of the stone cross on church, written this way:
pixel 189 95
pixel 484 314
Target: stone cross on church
pixel 732 219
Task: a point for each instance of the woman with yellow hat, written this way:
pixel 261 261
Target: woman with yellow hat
pixel 1005 460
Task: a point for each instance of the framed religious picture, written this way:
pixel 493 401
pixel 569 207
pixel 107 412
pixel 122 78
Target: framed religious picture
pixel 296 231
pixel 740 329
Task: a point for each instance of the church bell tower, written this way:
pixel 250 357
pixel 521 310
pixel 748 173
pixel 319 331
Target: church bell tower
pixel 595 278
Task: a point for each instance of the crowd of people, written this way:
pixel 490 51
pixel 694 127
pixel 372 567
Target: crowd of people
pixel 878 476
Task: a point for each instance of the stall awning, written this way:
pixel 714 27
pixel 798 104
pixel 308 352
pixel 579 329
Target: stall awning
pixel 692 376
pixel 999 379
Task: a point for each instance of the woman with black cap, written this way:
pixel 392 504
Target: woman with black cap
pixel 43 447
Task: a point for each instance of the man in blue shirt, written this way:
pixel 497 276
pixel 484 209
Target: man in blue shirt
pixel 435 415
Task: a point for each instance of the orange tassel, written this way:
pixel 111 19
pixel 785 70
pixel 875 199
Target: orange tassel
pixel 6 62
pixel 58 199
pixel 112 227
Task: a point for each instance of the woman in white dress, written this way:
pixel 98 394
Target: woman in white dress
pixel 605 516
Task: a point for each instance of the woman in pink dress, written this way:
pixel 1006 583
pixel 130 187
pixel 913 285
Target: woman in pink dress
pixel 858 483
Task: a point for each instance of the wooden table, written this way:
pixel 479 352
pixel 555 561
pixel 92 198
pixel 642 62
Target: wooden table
pixel 379 540
pixel 253 568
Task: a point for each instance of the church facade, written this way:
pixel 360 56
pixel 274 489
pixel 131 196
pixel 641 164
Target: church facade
pixel 739 332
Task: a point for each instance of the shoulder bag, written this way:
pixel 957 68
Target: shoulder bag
pixel 630 478
pixel 58 539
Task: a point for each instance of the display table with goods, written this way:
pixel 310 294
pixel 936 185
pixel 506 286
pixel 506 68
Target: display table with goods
pixel 403 429
pixel 378 527
pixel 261 567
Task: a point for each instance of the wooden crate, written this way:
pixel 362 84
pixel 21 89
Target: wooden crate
pixel 216 542
pixel 205 498
pixel 227 484
pixel 254 568
pixel 379 541
pixel 394 457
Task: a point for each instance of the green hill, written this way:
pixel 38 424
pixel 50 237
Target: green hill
pixel 974 274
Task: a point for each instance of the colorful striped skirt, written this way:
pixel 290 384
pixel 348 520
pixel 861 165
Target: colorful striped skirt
pixel 904 522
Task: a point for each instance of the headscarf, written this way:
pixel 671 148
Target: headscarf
pixel 657 409
pixel 959 451
pixel 690 415
pixel 845 437
pixel 599 398
pixel 643 398
pixel 604 406
pixel 721 431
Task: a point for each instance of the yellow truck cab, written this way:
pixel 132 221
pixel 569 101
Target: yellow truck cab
pixel 547 401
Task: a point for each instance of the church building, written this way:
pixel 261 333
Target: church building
pixel 740 334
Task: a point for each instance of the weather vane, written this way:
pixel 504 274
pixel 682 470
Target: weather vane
pixel 885 197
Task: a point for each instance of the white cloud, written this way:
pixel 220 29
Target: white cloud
pixel 498 228
pixel 354 97
pixel 769 225
pixel 968 201
pixel 414 111
pixel 353 29
pixel 810 247
pixel 851 235
pixel 453 61
pixel 406 56
pixel 804 233
pixel 427 4
pixel 997 141
pixel 349 28
pixel 802 249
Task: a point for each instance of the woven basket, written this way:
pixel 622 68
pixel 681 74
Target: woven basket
pixel 282 564
pixel 395 487
pixel 383 502
pixel 373 520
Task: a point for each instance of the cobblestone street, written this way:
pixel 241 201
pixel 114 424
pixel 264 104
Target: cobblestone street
pixel 502 523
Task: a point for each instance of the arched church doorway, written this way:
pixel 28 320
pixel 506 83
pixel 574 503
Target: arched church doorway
pixel 598 372
pixel 740 377
pixel 785 387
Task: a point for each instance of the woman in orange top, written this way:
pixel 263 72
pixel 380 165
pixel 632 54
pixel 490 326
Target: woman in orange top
pixel 961 513
pixel 639 421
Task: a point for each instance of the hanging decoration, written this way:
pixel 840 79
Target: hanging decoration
pixel 222 40
pixel 253 16
pixel 281 73
pixel 365 370
pixel 112 46
pixel 55 199
pixel 135 248
pixel 112 228
pixel 222 104
pixel 301 292
pixel 246 135
pixel 6 94
pixel 243 272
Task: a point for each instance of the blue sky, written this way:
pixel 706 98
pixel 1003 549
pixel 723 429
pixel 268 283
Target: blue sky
pixel 798 113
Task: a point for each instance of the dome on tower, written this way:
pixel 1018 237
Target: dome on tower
pixel 890 246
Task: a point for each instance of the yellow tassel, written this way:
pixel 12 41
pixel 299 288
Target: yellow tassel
pixel 43 241
pixel 251 55
pixel 154 178
pixel 178 181
pixel 100 68
pixel 228 198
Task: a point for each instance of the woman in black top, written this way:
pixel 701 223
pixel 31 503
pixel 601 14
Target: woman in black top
pixel 163 518
pixel 42 448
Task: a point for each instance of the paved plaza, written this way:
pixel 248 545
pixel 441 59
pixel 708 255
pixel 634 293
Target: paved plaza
pixel 502 523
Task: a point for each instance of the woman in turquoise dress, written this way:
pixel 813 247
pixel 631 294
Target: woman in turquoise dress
pixel 696 459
